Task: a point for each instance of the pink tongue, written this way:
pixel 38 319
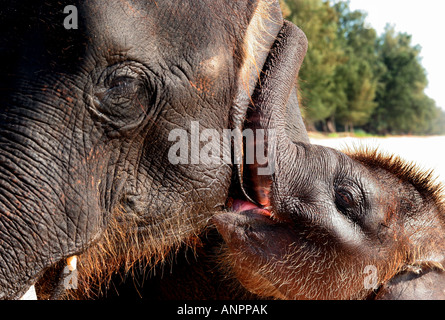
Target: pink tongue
pixel 240 206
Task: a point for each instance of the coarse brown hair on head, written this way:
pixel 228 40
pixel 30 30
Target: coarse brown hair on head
pixel 423 180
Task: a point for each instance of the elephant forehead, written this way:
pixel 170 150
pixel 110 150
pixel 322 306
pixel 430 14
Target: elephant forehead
pixel 169 25
pixel 213 64
pixel 205 31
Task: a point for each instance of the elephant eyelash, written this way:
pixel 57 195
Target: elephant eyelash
pixel 124 86
pixel 123 96
pixel 348 200
pixel 344 199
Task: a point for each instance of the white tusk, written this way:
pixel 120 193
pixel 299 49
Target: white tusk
pixel 30 294
pixel 72 263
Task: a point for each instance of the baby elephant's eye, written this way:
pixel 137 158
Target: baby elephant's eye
pixel 349 200
pixel 344 199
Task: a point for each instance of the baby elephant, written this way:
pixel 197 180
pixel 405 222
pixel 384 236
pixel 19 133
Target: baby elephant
pixel 327 224
pixel 343 226
pixel 355 225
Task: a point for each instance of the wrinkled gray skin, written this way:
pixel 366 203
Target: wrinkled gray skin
pixel 328 225
pixel 85 118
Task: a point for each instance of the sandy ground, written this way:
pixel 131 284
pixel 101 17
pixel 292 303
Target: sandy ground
pixel 428 152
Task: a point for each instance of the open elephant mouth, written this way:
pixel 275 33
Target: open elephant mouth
pixel 252 223
pixel 266 120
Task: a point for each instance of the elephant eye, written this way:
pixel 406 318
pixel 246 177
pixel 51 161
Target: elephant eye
pixel 349 200
pixel 123 86
pixel 123 96
pixel 344 199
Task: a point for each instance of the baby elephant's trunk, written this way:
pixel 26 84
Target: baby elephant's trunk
pixel 269 114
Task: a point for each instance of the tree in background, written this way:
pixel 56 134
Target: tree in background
pixel 318 87
pixel 357 77
pixel 403 106
pixel 352 78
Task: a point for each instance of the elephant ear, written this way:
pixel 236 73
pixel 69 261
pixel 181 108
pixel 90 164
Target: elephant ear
pixel 416 283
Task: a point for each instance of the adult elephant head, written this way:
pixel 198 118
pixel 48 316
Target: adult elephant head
pixel 88 99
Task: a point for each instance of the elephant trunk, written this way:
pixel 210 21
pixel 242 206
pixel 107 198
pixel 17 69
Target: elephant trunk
pixel 46 203
pixel 25 216
pixel 274 113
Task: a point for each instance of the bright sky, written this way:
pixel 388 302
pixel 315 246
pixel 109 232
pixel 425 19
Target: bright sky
pixel 425 21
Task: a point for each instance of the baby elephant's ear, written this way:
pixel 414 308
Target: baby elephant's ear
pixel 416 283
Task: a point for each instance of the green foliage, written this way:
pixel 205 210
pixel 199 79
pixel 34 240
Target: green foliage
pixel 360 133
pixel 319 22
pixel 403 106
pixel 357 75
pixel 353 78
